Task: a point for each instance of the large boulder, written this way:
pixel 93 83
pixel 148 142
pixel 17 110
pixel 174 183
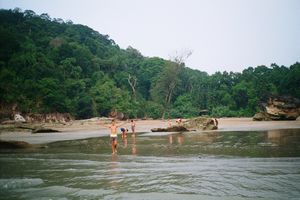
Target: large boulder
pixel 118 115
pixel 279 108
pixel 194 124
pixel 170 129
pixel 19 118
pixel 201 123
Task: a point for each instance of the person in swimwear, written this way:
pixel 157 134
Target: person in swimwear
pixel 133 127
pixel 113 135
pixel 124 132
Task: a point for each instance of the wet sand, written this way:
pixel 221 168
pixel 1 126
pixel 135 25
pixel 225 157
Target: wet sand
pixel 91 128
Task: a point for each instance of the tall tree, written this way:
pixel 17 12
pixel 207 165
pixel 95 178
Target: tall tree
pixel 165 87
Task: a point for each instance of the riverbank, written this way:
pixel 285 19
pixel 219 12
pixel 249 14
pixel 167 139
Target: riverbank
pixel 92 128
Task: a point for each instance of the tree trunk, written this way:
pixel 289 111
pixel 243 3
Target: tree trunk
pixel 132 82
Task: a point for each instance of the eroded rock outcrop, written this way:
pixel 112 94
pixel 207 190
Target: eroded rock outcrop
pixel 49 118
pixel 170 129
pixel 279 108
pixel 19 118
pixel 118 115
pixel 201 123
pixel 261 116
pixel 194 124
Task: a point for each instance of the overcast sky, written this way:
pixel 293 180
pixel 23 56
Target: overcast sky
pixel 224 35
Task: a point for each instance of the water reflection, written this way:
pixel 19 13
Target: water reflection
pixel 170 139
pixel 180 139
pixel 254 144
pixel 133 146
pixel 283 137
pixel 125 142
pixel 114 172
pixel 177 137
pixel 278 137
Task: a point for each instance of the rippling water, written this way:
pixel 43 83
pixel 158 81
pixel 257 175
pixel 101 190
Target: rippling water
pixel 233 165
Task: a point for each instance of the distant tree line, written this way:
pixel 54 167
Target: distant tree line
pixel 48 65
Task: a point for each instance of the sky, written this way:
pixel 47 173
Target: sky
pixel 223 35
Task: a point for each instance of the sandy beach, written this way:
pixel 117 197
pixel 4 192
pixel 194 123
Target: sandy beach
pixel 92 128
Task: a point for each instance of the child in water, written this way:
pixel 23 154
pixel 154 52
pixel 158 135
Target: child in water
pixel 133 126
pixel 124 132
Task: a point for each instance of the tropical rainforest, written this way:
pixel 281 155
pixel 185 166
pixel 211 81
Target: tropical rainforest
pixel 50 65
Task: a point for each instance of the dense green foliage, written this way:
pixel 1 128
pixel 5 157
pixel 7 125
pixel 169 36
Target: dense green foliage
pixel 48 65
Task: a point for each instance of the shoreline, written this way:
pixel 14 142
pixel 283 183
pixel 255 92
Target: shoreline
pixel 82 129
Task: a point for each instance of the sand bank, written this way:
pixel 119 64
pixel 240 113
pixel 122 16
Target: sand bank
pixel 91 128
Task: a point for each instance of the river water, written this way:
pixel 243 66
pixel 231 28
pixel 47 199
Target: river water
pixel 209 165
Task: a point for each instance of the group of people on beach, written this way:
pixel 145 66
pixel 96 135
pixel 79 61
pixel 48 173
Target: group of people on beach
pixel 114 131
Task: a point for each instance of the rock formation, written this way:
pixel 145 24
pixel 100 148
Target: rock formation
pixel 118 115
pixel 16 120
pixel 19 118
pixel 201 123
pixel 279 108
pixel 49 118
pixel 170 129
pixel 194 124
pixel 261 116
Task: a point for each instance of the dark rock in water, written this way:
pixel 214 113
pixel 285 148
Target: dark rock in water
pixel 14 145
pixel 279 108
pixel 194 124
pixel 170 129
pixel 44 130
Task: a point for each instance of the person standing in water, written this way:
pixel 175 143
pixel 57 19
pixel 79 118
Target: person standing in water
pixel 133 126
pixel 113 135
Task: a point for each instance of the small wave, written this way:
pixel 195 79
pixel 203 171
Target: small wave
pixel 60 192
pixel 8 184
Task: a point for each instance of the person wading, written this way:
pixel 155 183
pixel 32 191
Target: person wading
pixel 113 135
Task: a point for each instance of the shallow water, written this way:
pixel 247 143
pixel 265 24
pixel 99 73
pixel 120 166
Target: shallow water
pixel 212 165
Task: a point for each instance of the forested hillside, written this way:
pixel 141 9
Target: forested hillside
pixel 48 65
